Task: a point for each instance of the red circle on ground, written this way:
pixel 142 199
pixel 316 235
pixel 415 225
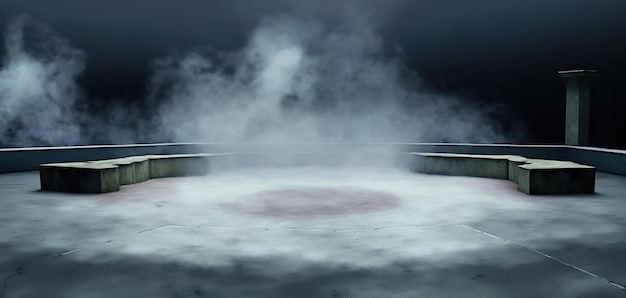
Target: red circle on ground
pixel 314 202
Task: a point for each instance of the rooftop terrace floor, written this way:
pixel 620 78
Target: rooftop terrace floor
pixel 312 232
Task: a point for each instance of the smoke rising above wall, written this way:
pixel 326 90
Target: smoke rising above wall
pixel 294 81
pixel 38 89
pixel 298 81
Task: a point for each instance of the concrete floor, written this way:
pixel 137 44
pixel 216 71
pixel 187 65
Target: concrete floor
pixel 312 232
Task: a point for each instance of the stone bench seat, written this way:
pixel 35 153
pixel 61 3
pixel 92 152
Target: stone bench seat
pixel 532 176
pixel 488 166
pixel 81 177
pixel 539 176
pixel 131 170
pixel 176 165
pixel 102 176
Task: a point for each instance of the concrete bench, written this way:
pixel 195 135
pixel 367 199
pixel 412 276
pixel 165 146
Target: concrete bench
pixel 131 170
pixel 488 166
pixel 82 177
pixel 102 176
pixel 178 165
pixel 555 177
pixel 532 176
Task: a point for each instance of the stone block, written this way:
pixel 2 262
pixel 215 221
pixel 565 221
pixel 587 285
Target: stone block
pixel 131 170
pixel 488 166
pixel 142 169
pixel 178 165
pixel 81 177
pixel 556 177
pixel 513 163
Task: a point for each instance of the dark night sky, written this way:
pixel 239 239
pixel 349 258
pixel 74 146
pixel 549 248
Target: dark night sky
pixel 498 51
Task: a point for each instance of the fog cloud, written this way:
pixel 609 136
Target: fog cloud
pixel 38 89
pixel 298 81
pixel 295 80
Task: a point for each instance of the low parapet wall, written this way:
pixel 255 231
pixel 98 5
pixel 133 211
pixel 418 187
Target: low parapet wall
pixel 29 159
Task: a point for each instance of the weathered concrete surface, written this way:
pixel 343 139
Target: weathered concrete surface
pixel 176 165
pixel 577 87
pixel 513 167
pixel 555 177
pixel 210 236
pixel 131 170
pixel 488 166
pixel 81 177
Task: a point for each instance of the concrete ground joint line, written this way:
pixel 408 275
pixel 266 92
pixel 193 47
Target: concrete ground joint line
pixel 548 256
pixel 4 284
pixel 6 278
pixel 109 241
pixel 303 229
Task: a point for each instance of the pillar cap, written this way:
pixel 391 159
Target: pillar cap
pixel 578 73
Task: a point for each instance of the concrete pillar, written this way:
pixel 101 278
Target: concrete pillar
pixel 577 83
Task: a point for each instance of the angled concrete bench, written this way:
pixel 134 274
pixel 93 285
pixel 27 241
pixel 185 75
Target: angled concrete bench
pixel 532 176
pixel 131 170
pixel 102 176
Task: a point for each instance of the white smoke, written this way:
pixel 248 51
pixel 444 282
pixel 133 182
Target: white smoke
pixel 38 89
pixel 296 81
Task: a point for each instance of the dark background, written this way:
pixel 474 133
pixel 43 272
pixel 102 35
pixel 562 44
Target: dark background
pixel 500 51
